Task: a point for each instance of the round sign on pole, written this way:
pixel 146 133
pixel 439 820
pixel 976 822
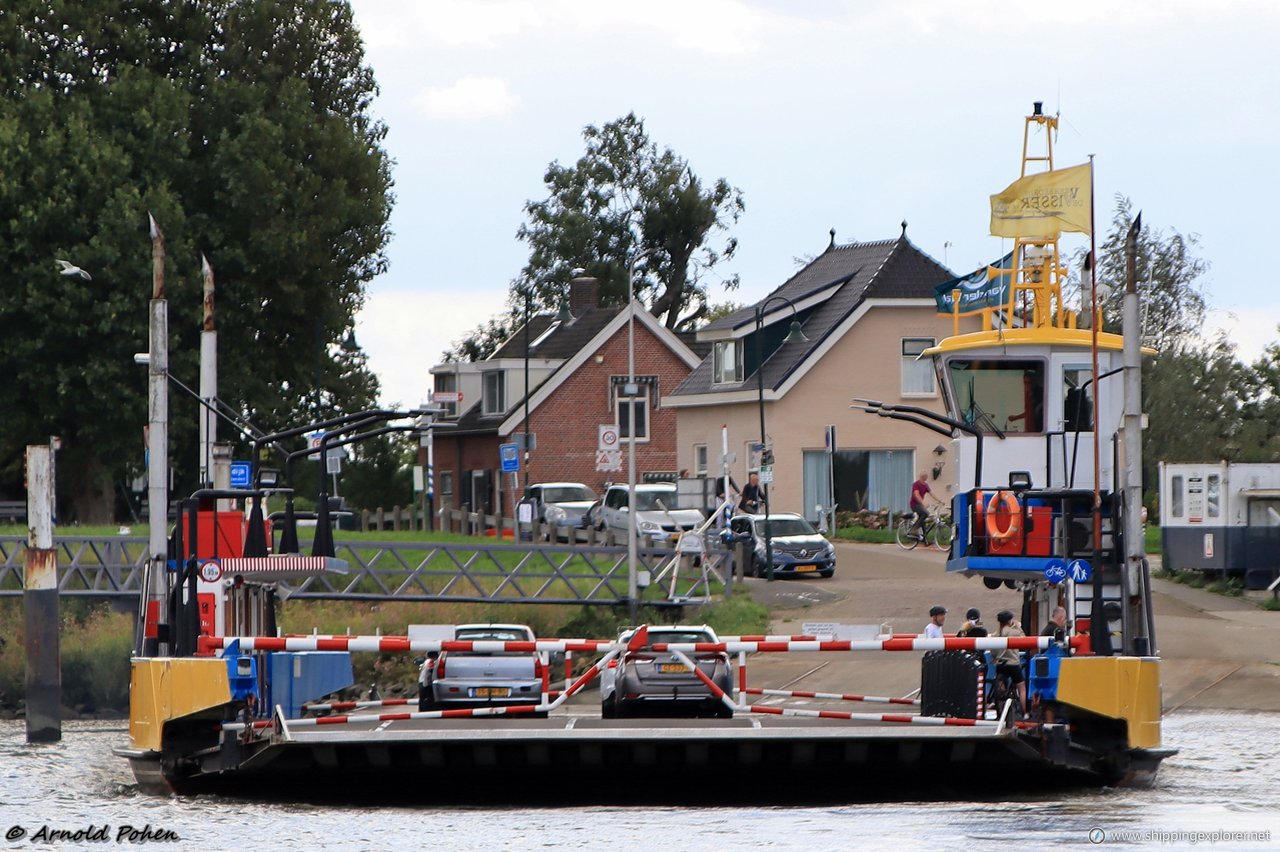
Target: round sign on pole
pixel 210 570
pixel 1080 570
pixel 610 436
pixel 1055 571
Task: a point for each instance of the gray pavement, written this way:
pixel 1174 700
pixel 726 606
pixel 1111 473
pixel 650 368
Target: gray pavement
pixel 1217 652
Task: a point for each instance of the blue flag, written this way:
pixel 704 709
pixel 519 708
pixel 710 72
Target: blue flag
pixel 977 290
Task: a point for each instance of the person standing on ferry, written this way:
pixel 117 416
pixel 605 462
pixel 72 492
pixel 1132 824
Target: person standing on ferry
pixel 937 615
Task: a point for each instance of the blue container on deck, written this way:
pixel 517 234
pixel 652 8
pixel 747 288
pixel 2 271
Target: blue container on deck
pixel 242 672
pixel 301 676
pixel 1043 671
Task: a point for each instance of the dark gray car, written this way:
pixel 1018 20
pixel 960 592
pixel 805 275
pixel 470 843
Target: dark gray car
pixel 658 683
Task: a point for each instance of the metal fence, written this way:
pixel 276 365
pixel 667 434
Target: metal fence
pixel 416 571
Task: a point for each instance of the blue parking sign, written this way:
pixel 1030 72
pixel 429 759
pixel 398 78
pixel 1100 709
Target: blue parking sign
pixel 510 455
pixel 1080 570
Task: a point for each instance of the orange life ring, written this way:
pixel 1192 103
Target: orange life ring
pixel 1008 502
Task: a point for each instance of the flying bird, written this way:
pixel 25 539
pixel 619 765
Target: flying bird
pixel 70 270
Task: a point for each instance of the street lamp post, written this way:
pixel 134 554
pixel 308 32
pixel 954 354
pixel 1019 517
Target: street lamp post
pixel 528 296
pixel 631 391
pixel 795 335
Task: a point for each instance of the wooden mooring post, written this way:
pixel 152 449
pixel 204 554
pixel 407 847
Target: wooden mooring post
pixel 40 603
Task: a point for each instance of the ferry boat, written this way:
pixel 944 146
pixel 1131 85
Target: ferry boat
pixel 1042 405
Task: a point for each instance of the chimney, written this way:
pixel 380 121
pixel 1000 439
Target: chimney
pixel 584 295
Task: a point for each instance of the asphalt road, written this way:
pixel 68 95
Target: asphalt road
pixel 1217 652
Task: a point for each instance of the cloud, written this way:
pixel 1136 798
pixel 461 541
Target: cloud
pixel 1250 330
pixel 404 333
pixel 469 99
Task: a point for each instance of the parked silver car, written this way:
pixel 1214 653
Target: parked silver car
pixel 562 506
pixel 477 679
pixel 659 517
pixel 649 681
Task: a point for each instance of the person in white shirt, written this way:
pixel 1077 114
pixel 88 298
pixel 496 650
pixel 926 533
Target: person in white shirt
pixel 937 615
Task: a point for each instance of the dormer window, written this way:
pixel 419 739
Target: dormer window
pixel 726 362
pixel 495 392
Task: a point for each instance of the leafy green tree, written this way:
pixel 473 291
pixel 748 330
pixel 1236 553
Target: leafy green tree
pixel 1195 399
pixel 623 197
pixel 1169 280
pixel 243 127
pixel 1259 436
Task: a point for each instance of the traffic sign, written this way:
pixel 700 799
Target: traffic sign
pixel 1080 570
pixel 608 460
pixel 766 474
pixel 610 435
pixel 1055 571
pixel 510 455
pixel 313 440
pixel 241 474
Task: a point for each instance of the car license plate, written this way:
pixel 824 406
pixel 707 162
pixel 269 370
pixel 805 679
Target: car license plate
pixel 491 692
pixel 673 668
pixel 806 567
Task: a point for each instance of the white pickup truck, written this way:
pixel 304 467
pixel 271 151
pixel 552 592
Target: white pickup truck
pixel 483 679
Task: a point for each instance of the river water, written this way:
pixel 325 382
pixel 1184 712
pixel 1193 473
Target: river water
pixel 1221 790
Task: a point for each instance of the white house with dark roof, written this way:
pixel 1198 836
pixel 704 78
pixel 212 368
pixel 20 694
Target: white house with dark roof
pixel 867 311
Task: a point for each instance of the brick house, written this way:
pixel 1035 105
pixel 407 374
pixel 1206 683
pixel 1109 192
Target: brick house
pixel 868 311
pixel 577 368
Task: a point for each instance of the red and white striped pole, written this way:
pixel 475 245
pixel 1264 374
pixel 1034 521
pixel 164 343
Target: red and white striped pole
pixel 402 644
pixel 833 696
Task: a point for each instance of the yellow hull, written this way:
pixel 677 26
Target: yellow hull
pixel 1126 688
pixel 162 689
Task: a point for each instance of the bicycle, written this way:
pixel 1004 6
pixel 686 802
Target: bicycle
pixel 937 531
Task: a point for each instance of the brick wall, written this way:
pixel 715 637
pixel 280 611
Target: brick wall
pixel 566 425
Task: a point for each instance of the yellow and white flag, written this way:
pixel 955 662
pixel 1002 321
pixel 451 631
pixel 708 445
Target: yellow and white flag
pixel 1044 205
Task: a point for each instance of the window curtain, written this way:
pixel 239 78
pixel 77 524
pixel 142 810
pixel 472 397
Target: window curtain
pixel 889 479
pixel 817 484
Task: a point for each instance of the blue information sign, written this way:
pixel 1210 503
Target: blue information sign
pixel 241 474
pixel 1055 571
pixel 510 455
pixel 1080 570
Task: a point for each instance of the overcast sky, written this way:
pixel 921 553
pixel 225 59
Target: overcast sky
pixel 826 114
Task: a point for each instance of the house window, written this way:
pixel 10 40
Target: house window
pixel 1213 494
pixel 633 410
pixel 495 392
pixel 446 384
pixel 1175 501
pixel 917 373
pixel 726 363
pixel 699 459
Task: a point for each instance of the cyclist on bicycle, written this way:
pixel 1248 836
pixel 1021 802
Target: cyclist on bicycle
pixel 1009 661
pixel 920 491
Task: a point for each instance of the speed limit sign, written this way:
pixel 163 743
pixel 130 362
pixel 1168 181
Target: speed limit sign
pixel 609 437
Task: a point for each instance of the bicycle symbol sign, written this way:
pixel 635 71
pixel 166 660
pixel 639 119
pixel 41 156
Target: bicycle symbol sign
pixel 1055 571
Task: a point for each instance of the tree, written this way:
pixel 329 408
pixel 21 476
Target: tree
pixel 1169 273
pixel 242 126
pixel 1194 396
pixel 621 198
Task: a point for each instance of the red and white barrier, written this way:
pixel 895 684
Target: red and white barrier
pixel 834 696
pixel 459 713
pixel 402 644
pixel 338 706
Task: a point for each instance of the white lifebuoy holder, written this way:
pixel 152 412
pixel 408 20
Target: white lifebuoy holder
pixel 1004 503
